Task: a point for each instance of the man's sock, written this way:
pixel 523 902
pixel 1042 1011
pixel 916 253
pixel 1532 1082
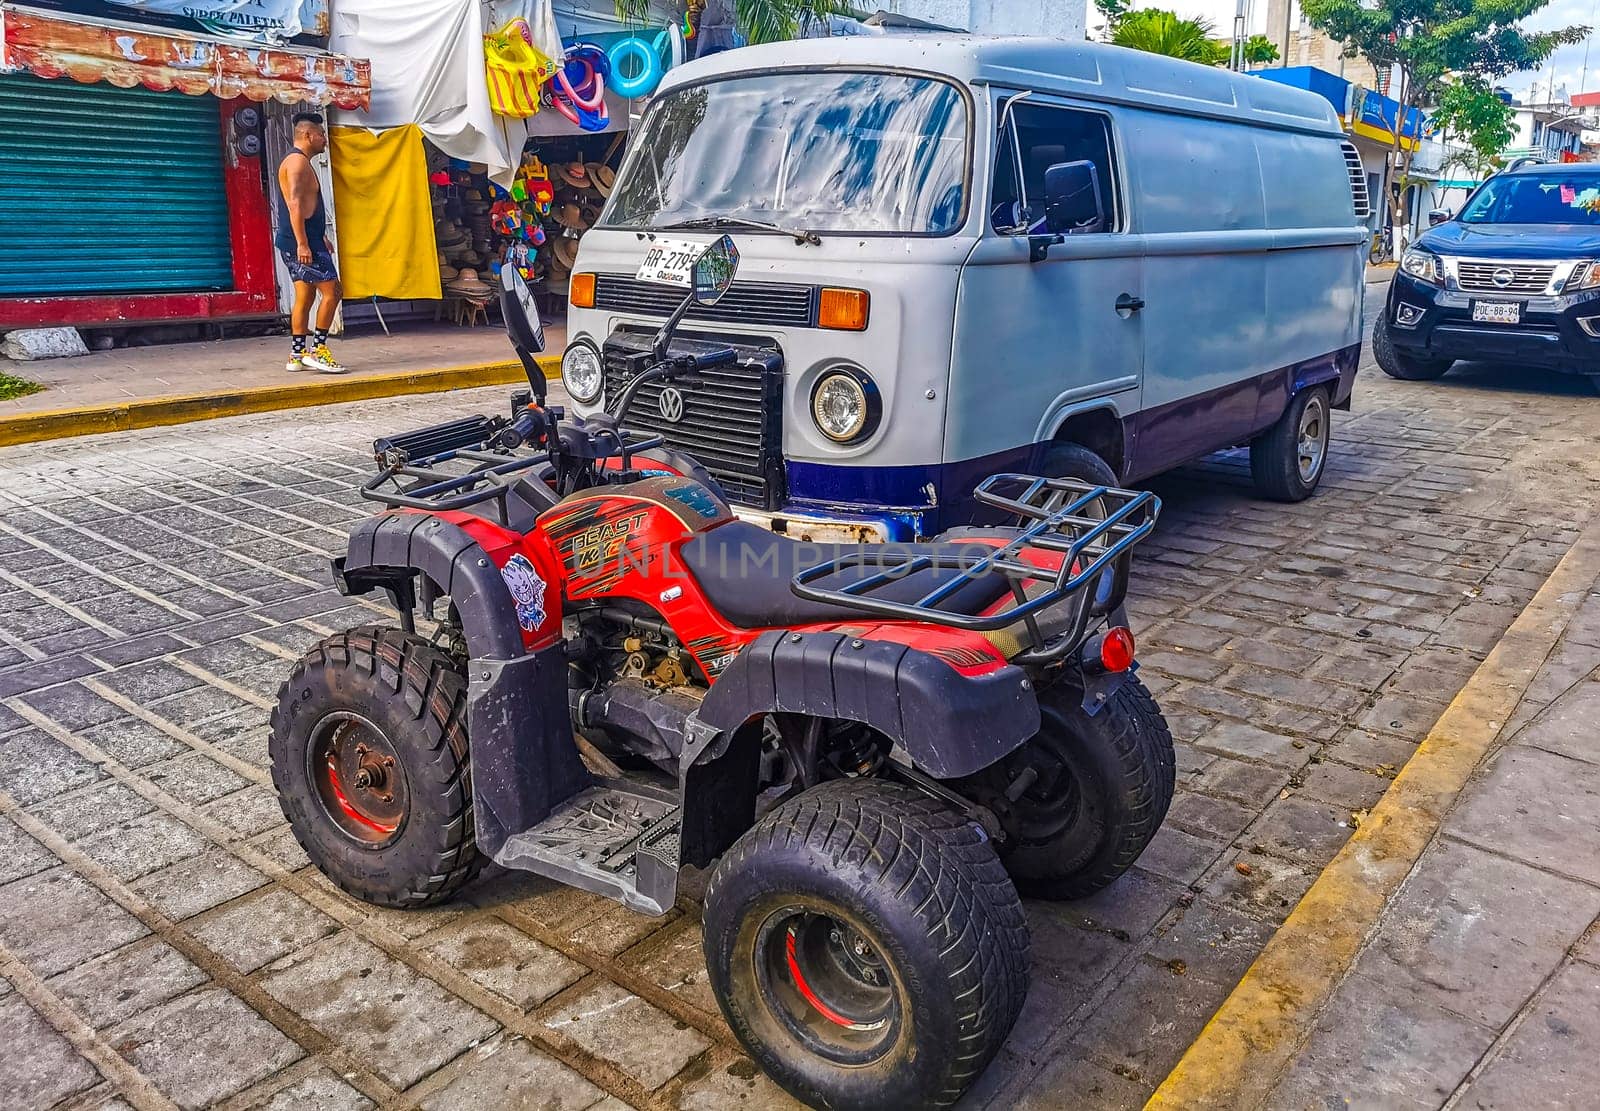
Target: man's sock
pixel 299 345
pixel 321 337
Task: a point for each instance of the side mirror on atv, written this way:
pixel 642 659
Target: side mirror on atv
pixel 712 274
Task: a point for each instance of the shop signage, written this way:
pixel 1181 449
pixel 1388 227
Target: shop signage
pixel 259 20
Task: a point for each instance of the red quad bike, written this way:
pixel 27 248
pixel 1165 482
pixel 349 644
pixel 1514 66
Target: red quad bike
pixel 876 746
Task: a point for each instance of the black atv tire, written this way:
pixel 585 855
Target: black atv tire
pixel 941 971
pixel 389 696
pixel 1276 456
pixel 1408 368
pixel 1101 789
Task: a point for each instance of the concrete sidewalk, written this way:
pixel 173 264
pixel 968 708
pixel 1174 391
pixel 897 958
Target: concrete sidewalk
pixel 1477 983
pixel 132 374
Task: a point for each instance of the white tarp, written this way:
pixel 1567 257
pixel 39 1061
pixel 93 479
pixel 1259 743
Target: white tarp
pixel 427 69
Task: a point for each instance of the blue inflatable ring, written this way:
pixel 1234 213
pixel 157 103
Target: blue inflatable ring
pixel 645 81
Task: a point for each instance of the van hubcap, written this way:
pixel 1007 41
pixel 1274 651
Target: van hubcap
pixel 1313 438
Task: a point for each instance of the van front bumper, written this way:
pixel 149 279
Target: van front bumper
pixel 1555 333
pixel 824 528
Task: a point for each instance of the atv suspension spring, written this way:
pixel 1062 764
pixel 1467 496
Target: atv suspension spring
pixel 854 751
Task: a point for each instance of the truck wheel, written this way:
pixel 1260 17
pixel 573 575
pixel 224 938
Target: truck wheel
pixel 369 756
pixel 1287 460
pixel 866 946
pixel 1406 367
pixel 1093 791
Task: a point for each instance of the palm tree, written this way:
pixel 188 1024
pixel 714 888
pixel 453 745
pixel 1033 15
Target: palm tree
pixel 1159 32
pixel 757 20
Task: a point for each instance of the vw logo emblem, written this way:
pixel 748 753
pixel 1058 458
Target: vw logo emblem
pixel 1502 277
pixel 671 405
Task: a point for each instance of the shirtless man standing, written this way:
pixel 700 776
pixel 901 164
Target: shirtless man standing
pixel 302 239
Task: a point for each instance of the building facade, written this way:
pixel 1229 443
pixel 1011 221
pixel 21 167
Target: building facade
pixel 1060 19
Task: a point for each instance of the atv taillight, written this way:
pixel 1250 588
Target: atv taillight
pixel 1116 649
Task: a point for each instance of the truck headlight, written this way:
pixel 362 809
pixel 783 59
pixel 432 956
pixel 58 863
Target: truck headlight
pixel 1586 275
pixel 582 373
pixel 1423 265
pixel 845 405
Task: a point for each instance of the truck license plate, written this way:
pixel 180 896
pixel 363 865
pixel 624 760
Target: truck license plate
pixel 669 261
pixel 1497 312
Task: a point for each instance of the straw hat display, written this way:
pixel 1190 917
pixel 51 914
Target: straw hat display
pixel 468 284
pixel 602 177
pixel 574 174
pixel 570 215
pixel 565 252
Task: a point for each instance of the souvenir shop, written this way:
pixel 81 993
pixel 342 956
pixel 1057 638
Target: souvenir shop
pixel 431 202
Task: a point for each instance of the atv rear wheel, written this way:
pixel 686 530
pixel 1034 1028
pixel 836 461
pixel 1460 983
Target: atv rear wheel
pixel 1082 798
pixel 865 945
pixel 369 756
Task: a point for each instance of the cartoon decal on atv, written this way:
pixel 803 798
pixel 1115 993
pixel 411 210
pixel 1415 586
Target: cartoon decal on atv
pixel 875 747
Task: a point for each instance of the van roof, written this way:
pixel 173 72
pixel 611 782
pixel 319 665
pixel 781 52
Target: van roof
pixel 1089 70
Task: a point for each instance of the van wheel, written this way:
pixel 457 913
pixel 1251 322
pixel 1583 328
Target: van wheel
pixel 1068 460
pixel 1081 799
pixel 866 946
pixel 369 757
pixel 1405 367
pixel 1287 460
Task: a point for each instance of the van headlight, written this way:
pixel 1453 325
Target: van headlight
pixel 582 373
pixel 1423 265
pixel 845 405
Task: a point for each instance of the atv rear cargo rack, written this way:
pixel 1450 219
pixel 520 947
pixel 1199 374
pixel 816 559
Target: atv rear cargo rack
pixel 1094 528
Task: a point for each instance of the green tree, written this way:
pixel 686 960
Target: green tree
pixel 1258 50
pixel 757 20
pixel 1474 123
pixel 1113 12
pixel 1425 41
pixel 1158 32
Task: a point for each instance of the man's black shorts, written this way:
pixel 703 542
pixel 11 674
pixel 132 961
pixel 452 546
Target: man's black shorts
pixel 321 268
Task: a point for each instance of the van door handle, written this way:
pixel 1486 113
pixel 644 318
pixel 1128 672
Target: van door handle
pixel 1128 304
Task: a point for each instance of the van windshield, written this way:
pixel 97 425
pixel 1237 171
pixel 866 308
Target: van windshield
pixel 1536 198
pixel 831 151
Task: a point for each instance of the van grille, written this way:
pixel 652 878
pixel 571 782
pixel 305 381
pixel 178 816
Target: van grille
pixel 773 304
pixel 1516 277
pixel 732 417
pixel 1358 180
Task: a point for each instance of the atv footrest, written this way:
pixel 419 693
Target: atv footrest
pixel 616 838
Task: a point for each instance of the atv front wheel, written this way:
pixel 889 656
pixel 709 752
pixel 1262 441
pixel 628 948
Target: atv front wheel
pixel 369 756
pixel 865 945
pixel 1080 800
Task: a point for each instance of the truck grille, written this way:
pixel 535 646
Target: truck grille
pixel 1515 277
pixel 772 304
pixel 732 418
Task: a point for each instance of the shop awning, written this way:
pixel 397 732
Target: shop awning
pixel 124 55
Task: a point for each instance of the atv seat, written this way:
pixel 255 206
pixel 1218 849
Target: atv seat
pixel 745 571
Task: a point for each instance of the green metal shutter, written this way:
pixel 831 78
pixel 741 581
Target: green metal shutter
pixel 108 190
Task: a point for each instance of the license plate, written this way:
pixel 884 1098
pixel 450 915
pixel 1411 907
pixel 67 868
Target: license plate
pixel 1497 312
pixel 669 261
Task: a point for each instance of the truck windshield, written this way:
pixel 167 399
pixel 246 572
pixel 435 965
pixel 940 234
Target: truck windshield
pixel 839 152
pixel 1536 198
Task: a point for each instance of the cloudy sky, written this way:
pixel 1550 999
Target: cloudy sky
pixel 1567 66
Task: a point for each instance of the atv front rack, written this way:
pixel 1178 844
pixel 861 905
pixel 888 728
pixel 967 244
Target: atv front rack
pixel 1093 528
pixel 463 463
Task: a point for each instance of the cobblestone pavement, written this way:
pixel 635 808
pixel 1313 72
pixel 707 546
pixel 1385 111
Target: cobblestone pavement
pixel 163 939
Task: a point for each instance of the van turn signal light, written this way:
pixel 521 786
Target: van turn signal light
pixel 844 310
pixel 580 291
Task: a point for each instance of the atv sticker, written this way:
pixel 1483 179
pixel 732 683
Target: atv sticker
pixel 527 590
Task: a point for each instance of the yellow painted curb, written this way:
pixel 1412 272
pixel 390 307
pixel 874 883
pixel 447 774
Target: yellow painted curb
pixel 1243 1050
pixel 53 424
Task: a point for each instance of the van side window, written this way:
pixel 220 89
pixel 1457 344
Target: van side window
pixel 1049 135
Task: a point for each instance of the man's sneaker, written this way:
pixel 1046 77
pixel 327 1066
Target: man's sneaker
pixel 296 362
pixel 319 358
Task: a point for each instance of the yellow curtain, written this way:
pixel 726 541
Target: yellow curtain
pixel 385 225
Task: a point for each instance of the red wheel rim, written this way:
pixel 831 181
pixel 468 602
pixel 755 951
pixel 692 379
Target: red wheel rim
pixel 358 778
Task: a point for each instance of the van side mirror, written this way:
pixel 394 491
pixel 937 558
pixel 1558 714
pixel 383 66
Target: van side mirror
pixel 1072 198
pixel 1438 216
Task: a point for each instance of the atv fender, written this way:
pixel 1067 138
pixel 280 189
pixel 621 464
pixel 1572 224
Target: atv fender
pixel 950 725
pixel 524 759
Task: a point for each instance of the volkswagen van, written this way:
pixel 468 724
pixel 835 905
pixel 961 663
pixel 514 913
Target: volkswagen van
pixel 962 256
